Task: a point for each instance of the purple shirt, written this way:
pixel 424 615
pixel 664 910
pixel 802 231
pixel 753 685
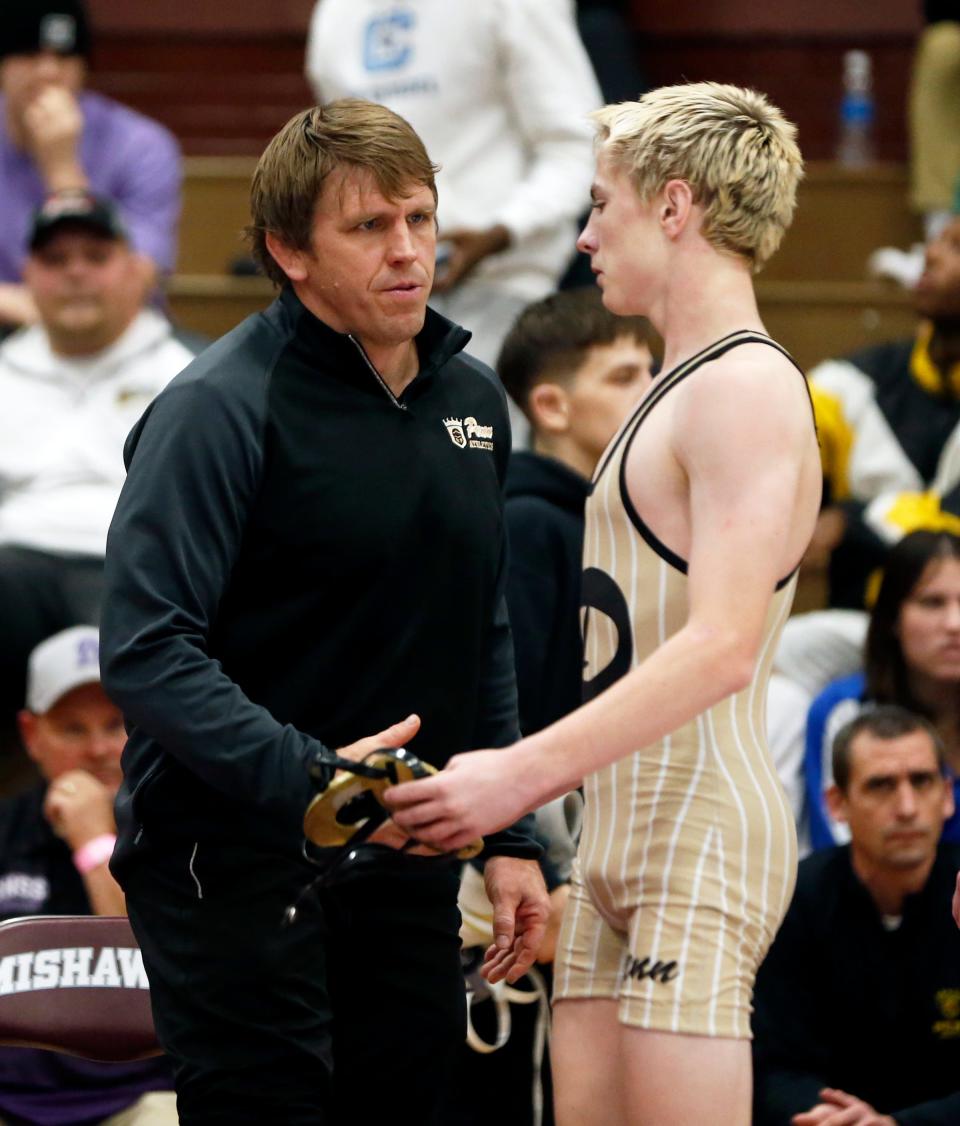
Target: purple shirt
pixel 128 157
pixel 57 1090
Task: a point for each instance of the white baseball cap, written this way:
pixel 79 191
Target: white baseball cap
pixel 61 663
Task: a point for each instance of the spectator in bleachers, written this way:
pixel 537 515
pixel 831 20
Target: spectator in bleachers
pixel 71 388
pixel 857 1005
pixel 575 370
pixel 911 659
pixel 54 134
pixel 55 842
pixel 888 421
pixel 500 91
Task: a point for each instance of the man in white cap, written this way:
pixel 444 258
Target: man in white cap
pixel 55 843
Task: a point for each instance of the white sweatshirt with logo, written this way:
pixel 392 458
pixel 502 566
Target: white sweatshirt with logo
pixel 499 91
pixel 63 423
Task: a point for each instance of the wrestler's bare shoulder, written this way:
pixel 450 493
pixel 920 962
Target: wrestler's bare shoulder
pixel 750 388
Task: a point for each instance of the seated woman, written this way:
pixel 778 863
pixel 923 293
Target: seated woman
pixel 912 658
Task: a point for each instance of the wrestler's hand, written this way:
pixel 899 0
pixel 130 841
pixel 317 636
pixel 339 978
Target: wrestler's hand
pixel 837 1108
pixel 956 902
pixel 521 908
pixel 474 795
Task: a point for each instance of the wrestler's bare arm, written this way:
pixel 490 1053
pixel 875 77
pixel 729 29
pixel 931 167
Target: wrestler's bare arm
pixel 742 435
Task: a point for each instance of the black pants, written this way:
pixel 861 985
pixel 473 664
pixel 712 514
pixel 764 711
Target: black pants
pixel 351 1014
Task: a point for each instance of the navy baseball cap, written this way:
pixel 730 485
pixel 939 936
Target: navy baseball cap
pixel 29 26
pixel 79 208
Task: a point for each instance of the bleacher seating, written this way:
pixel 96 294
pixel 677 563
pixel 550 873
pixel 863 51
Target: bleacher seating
pixel 813 295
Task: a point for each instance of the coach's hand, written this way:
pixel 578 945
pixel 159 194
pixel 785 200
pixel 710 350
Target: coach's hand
pixel 397 735
pixel 521 909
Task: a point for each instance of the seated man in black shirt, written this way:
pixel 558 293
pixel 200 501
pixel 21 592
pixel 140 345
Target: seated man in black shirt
pixel 55 842
pixel 857 1019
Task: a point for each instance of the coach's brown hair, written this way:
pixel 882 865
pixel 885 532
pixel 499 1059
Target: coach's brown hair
pixel 291 173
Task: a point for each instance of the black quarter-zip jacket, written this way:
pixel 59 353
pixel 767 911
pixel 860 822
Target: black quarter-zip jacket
pixel 297 559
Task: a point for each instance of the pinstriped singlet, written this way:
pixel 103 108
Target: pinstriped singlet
pixel 688 851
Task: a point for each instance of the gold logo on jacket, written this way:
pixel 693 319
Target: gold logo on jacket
pixel 948 1002
pixel 468 432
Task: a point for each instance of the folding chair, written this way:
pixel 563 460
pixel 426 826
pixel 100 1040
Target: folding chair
pixel 75 984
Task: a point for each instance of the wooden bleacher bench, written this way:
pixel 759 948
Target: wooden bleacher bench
pixel 842 215
pixel 813 295
pixel 812 319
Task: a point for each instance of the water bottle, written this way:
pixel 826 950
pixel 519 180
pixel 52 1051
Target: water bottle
pixel 855 142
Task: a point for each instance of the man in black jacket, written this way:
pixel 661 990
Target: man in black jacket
pixel 857 1019
pixel 309 546
pixel 55 841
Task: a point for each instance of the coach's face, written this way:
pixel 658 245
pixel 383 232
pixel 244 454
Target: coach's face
pixel 369 267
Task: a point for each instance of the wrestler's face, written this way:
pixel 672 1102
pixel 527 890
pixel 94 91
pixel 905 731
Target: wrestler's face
pixel 624 240
pixel 369 266
pixel 603 391
pixel 896 801
pixel 83 730
pixel 937 293
pixel 87 288
pixel 928 626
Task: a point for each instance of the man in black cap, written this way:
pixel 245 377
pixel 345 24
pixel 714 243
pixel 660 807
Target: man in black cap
pixel 55 135
pixel 72 386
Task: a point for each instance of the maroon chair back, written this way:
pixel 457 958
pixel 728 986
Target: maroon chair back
pixel 75 984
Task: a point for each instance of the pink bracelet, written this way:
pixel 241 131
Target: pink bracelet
pixel 94 853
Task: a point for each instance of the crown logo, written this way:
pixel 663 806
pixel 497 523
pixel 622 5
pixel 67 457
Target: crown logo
pixel 455 430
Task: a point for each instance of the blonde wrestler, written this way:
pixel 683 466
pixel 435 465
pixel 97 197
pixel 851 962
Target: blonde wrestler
pixel 700 512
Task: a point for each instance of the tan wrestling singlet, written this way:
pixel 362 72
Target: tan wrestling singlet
pixel 688 855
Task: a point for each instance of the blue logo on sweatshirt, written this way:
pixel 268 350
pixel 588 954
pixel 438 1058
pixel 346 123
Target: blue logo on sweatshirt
pixel 386 41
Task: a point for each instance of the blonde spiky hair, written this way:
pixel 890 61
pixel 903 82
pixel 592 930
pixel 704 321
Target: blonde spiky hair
pixel 733 147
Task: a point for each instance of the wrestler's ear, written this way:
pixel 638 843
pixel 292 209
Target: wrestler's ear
pixel 836 803
pixel 288 258
pixel 676 207
pixel 549 408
